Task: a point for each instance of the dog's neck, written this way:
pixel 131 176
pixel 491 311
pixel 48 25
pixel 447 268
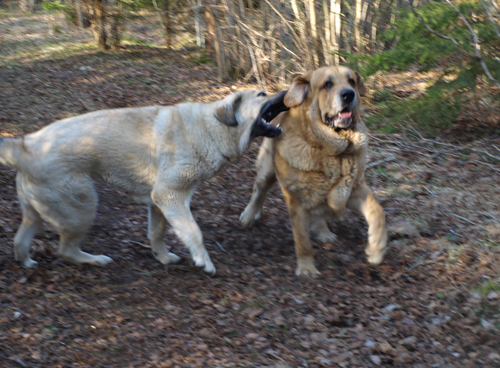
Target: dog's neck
pixel 305 134
pixel 308 123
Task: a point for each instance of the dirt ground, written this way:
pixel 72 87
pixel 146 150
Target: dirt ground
pixel 434 301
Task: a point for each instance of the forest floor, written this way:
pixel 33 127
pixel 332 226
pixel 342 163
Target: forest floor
pixel 433 302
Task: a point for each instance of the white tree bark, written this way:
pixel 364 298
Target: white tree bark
pixel 336 28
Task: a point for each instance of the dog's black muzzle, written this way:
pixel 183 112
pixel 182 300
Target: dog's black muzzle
pixel 273 107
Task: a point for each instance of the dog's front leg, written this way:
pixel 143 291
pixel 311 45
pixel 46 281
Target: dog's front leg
pixel 174 204
pixel 300 221
pixel 156 231
pixel 363 201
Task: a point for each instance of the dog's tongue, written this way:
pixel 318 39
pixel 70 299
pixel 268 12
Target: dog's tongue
pixel 345 115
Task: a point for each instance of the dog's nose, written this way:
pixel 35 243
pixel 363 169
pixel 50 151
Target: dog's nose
pixel 347 95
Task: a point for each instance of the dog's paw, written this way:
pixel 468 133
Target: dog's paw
pixel 249 216
pixel 28 263
pixel 375 258
pixel 167 258
pixel 306 268
pixel 101 260
pixel 325 236
pixel 202 259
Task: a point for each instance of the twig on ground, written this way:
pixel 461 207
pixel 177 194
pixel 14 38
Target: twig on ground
pixel 387 159
pixel 220 246
pixel 139 243
pixel 462 218
pixel 487 214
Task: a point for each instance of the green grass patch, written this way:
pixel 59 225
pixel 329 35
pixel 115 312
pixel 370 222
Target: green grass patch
pixel 487 287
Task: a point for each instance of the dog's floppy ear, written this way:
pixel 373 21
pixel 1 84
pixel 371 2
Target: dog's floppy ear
pixel 360 84
pixel 299 90
pixel 226 113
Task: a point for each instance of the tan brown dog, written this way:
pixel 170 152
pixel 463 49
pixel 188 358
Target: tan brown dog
pixel 319 161
pixel 157 154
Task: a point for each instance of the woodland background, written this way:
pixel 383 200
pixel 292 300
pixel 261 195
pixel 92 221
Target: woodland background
pixel 270 41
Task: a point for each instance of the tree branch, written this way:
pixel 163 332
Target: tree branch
pixel 449 38
pixel 490 16
pixel 476 42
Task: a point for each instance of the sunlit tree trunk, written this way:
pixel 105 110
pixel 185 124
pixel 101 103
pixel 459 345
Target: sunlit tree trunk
pixel 327 45
pixel 209 21
pixel 27 6
pixel 374 22
pixel 357 25
pixel 318 55
pixel 200 36
pixel 214 35
pixel 116 27
pixel 166 23
pixel 99 23
pixel 336 28
pixel 303 35
pixel 78 14
pixel 242 50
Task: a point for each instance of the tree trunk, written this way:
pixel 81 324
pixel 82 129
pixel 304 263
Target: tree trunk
pixel 116 27
pixel 302 30
pixel 327 44
pixel 78 14
pixel 27 6
pixel 357 25
pixel 318 55
pixel 243 51
pixel 374 23
pixel 209 19
pixel 99 24
pixel 200 36
pixel 336 28
pixel 233 61
pixel 166 23
pixel 211 25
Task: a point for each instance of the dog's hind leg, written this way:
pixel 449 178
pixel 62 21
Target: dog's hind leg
pixel 69 249
pixel 363 201
pixel 22 241
pixel 174 204
pixel 156 231
pixel 321 231
pixel 71 208
pixel 266 177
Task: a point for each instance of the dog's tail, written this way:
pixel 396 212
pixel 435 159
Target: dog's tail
pixel 12 151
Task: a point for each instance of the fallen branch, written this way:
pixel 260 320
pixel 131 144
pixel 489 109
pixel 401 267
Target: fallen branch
pixel 463 218
pixel 376 163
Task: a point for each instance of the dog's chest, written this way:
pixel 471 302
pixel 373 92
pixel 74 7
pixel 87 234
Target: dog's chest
pixel 318 177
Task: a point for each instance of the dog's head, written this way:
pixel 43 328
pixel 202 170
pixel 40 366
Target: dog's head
pixel 331 93
pixel 250 114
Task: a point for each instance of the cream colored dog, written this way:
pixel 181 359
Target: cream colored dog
pixel 159 155
pixel 319 161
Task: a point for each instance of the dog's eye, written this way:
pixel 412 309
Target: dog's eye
pixel 262 94
pixel 352 82
pixel 328 85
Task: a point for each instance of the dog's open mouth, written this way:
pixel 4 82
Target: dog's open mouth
pixel 273 107
pixel 341 121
